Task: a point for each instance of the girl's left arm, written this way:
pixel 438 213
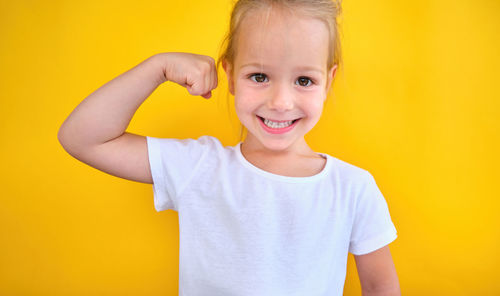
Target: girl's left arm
pixel 377 273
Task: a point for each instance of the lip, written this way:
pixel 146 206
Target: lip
pixel 275 120
pixel 278 130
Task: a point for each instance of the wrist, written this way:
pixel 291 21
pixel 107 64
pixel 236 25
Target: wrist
pixel 160 64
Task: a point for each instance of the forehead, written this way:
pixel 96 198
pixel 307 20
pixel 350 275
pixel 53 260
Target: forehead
pixel 282 39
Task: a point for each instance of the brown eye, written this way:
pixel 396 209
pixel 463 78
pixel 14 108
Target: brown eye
pixel 258 77
pixel 304 81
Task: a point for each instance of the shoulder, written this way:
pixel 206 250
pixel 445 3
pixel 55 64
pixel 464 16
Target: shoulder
pixel 349 173
pixel 212 145
pixel 200 142
pixel 210 141
pixel 206 142
pixel 191 150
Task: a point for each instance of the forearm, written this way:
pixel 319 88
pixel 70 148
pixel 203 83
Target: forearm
pixel 106 113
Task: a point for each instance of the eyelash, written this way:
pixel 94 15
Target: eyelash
pixel 262 74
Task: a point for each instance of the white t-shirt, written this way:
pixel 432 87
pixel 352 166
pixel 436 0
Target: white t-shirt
pixel 246 231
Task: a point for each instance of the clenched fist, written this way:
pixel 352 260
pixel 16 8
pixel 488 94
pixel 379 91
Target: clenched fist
pixel 197 73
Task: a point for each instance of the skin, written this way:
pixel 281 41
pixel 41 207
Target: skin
pixel 284 92
pixel 95 132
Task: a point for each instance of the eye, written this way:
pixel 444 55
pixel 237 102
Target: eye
pixel 259 77
pixel 304 81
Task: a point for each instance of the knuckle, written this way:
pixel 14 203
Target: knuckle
pixel 197 89
pixel 205 69
pixel 198 71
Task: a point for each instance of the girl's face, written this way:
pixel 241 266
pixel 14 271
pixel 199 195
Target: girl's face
pixel 280 74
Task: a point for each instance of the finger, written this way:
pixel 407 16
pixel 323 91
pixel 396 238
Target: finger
pixel 207 95
pixel 196 88
pixel 193 90
pixel 215 78
pixel 190 84
pixel 211 80
pixel 208 82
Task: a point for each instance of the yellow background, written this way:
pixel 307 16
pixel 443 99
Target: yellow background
pixel 416 104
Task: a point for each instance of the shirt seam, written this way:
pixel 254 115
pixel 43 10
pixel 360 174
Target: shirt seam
pixel 274 177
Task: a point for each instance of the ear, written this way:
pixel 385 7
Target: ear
pixel 331 75
pixel 229 73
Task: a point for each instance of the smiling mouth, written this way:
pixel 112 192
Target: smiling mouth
pixel 277 127
pixel 264 120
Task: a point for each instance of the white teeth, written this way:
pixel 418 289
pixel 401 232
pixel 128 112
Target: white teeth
pixel 273 124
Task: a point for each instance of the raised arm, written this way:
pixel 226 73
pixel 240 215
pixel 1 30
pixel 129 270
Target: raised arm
pixel 94 132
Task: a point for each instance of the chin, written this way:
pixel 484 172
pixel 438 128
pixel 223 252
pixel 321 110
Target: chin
pixel 277 144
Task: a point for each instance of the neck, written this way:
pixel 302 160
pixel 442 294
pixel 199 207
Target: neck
pixel 252 146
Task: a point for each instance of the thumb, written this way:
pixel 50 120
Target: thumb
pixel 208 95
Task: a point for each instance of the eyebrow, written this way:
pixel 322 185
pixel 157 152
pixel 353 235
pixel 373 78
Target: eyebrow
pixel 302 68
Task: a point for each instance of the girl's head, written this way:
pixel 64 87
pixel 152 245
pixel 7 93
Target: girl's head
pixel 280 59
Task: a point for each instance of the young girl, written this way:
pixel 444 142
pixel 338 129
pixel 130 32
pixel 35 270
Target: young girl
pixel 268 216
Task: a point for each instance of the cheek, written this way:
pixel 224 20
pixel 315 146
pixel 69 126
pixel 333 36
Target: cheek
pixel 318 106
pixel 246 100
pixel 313 104
pixel 243 105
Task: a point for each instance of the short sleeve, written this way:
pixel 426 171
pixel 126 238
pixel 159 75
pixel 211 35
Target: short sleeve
pixel 372 227
pixel 173 164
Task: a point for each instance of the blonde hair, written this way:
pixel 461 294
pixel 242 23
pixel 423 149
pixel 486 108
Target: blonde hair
pixel 327 11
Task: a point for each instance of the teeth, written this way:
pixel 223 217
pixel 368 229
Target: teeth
pixel 273 124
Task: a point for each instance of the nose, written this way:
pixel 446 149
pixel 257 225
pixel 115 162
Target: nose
pixel 282 98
